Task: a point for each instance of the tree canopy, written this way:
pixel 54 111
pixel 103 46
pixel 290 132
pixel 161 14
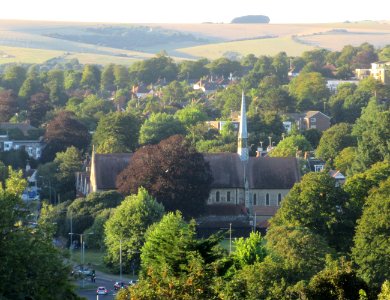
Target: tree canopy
pixel 172 172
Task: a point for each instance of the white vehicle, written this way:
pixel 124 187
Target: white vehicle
pixel 101 290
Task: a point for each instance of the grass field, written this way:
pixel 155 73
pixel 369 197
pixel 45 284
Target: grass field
pixel 26 55
pixel 91 257
pixel 257 47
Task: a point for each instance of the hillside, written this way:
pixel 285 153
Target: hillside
pixel 125 43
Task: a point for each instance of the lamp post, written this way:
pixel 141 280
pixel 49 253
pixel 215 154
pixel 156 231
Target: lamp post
pixel 120 259
pixel 82 248
pixel 230 238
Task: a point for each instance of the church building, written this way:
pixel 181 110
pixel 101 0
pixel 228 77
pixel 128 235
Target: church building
pixel 246 191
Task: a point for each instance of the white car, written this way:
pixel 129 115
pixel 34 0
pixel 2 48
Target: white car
pixel 101 290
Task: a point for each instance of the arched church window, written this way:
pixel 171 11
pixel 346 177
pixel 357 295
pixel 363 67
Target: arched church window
pixel 217 197
pixel 228 197
pixel 279 199
pixel 267 199
pixel 254 199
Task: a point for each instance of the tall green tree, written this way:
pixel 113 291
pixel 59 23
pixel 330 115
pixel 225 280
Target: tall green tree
pixel 13 77
pixel 316 203
pixel 159 127
pixel 372 239
pixel 117 132
pixel 310 91
pixel 373 134
pixel 335 139
pixel 175 265
pixel 289 146
pixel 90 78
pixel 127 226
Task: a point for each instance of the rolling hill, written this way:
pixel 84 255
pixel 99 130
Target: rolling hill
pixel 101 43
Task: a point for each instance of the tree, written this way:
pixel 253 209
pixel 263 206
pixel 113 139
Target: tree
pixel 195 70
pixel 62 132
pixel 385 292
pixel 69 162
pixel 224 67
pixel 373 135
pixel 316 203
pixel 310 90
pixel 158 127
pixel 107 78
pixel 8 105
pixel 39 105
pixel 300 251
pixel 344 160
pixel 313 136
pixel 13 77
pixel 38 269
pixel 117 132
pixel 289 146
pixel 55 86
pixel 372 239
pixel 90 78
pixel 83 211
pixel 127 226
pixel 249 250
pixel 191 115
pixel 175 265
pixel 338 280
pixel 335 139
pixel 172 172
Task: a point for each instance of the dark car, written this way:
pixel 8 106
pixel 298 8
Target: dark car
pixel 119 285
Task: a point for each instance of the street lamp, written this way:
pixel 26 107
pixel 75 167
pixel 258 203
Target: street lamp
pixel 82 249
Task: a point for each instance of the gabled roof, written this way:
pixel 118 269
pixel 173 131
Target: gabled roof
pixel 107 167
pixel 227 169
pixel 24 127
pixel 313 113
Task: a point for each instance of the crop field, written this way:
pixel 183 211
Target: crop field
pixel 257 47
pixel 26 55
pixel 101 43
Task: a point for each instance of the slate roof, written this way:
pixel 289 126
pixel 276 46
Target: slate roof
pixel 262 172
pixel 107 167
pixel 227 170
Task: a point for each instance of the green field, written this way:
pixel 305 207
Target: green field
pixel 270 46
pixel 26 55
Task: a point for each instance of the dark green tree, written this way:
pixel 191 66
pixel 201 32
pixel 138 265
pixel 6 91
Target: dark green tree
pixel 372 239
pixel 316 203
pixel 90 78
pixel 335 139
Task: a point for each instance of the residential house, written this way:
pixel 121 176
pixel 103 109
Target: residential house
pixel 313 119
pixel 379 70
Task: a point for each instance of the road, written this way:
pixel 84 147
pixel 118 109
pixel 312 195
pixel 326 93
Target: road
pixel 106 280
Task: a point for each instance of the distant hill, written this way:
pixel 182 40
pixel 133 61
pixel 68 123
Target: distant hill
pixel 104 43
pixel 251 19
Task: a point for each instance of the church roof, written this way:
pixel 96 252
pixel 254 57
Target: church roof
pixel 227 170
pixel 107 167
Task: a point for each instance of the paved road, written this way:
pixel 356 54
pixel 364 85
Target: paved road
pixel 106 280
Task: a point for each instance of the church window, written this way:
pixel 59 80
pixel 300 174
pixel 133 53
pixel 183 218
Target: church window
pixel 279 199
pixel 217 197
pixel 254 199
pixel 228 197
pixel 267 199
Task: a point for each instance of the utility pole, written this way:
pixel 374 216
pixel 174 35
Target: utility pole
pixel 120 259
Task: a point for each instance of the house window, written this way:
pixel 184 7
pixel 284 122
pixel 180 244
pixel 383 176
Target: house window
pixel 254 199
pixel 279 199
pixel 318 168
pixel 217 197
pixel 267 199
pixel 228 197
pixel 313 120
pixel 313 126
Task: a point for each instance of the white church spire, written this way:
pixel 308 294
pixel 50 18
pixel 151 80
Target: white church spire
pixel 242 149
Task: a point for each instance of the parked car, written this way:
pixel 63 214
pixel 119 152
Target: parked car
pixel 101 290
pixel 119 285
